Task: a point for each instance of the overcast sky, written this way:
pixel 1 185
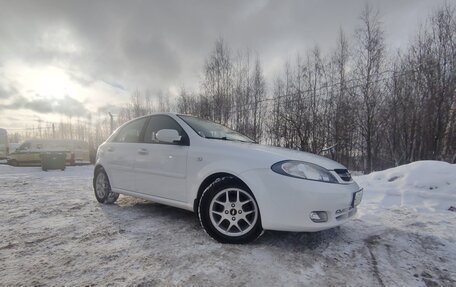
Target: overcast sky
pixel 81 58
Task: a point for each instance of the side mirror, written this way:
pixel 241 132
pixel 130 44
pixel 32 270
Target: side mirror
pixel 168 136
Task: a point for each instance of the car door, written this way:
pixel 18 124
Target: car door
pixel 119 155
pixel 161 168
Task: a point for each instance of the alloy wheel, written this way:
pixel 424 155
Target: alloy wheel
pixel 233 212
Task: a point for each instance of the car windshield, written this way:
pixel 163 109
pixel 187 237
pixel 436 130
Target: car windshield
pixel 211 130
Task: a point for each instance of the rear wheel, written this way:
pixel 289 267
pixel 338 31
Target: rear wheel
pixel 229 213
pixel 102 188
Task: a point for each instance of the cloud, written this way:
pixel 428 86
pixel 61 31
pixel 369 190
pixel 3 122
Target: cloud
pixel 14 104
pixel 109 108
pixel 67 106
pixel 115 85
pixel 155 44
pixel 7 93
pixel 158 45
pixel 4 94
pixel 40 106
pixel 83 80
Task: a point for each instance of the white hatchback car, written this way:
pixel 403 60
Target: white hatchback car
pixel 238 188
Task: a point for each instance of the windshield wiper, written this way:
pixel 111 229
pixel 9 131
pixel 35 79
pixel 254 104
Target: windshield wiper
pixel 226 139
pixel 217 138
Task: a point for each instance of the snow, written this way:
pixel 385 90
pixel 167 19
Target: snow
pixel 53 232
pixel 424 186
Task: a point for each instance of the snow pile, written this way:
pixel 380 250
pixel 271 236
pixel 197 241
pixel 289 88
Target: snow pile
pixel 422 186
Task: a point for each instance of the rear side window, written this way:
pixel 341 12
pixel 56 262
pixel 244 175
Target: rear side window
pixel 131 133
pixel 161 122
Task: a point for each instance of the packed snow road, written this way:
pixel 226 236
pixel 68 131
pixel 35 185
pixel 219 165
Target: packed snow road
pixel 54 232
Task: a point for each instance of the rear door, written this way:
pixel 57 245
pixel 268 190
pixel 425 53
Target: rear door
pixel 161 168
pixel 120 153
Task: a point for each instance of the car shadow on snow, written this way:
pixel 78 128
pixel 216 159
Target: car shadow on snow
pixel 131 207
pixel 153 215
pixel 300 241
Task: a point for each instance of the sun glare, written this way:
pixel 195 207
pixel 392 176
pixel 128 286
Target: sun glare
pixel 52 82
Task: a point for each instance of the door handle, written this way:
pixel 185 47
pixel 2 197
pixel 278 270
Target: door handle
pixel 142 151
pixel 110 149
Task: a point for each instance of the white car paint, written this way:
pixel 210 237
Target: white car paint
pixel 173 174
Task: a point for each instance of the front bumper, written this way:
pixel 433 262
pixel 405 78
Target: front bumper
pixel 285 203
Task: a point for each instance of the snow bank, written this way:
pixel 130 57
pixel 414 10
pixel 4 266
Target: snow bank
pixel 422 185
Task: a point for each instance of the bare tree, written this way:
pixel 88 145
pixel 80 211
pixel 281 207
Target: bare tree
pixel 369 65
pixel 258 108
pixel 340 117
pixel 218 82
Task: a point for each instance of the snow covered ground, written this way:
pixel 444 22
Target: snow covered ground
pixel 53 232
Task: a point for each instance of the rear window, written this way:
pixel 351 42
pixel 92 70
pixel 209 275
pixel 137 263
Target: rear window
pixel 131 133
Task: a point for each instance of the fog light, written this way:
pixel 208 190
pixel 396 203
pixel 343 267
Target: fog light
pixel 319 216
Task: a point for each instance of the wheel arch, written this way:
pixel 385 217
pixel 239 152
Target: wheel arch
pixel 96 168
pixel 211 179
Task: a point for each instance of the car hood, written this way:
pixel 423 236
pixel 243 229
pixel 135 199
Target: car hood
pixel 275 154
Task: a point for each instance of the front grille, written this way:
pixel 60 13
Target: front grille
pixel 344 174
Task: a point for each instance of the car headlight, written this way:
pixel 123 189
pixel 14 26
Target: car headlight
pixel 305 170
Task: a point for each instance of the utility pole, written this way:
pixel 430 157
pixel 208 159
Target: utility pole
pixel 112 121
pixel 53 131
pixel 39 127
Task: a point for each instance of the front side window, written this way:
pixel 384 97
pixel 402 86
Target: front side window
pixel 162 122
pixel 131 133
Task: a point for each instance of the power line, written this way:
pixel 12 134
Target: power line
pixel 326 86
pixel 32 128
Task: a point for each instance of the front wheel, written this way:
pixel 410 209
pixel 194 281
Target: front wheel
pixel 229 213
pixel 102 188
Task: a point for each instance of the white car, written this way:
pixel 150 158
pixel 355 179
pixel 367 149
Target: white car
pixel 238 188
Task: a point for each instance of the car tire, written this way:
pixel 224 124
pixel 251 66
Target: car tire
pixel 102 188
pixel 229 213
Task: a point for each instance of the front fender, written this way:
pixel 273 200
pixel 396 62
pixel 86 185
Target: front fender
pixel 226 166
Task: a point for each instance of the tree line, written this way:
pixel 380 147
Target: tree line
pixel 361 105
